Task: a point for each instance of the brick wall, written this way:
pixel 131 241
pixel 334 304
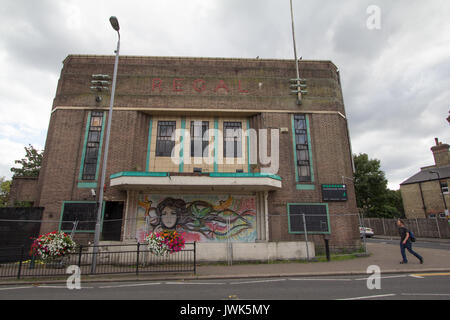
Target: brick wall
pixel 23 189
pixel 421 200
pixel 257 90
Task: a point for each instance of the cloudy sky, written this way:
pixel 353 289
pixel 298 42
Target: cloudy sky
pixel 396 78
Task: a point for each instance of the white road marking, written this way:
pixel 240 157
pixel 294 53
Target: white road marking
pixel 416 276
pixel 205 283
pixel 16 288
pixel 59 287
pixel 258 281
pixel 315 279
pixel 371 297
pixel 388 277
pixel 130 285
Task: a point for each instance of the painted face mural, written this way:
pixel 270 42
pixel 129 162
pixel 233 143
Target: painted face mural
pixel 203 218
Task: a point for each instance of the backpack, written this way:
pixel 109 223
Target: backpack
pixel 411 236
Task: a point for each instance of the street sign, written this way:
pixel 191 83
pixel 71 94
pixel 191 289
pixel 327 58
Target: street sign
pixel 334 192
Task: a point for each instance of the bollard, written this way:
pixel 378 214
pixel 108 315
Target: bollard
pixel 306 235
pixel 326 238
pixel 21 260
pixel 79 255
pixel 32 262
pixel 137 258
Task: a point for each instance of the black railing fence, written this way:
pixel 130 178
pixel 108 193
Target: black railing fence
pixel 111 259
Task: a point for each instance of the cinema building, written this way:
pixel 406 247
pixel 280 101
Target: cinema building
pixel 218 149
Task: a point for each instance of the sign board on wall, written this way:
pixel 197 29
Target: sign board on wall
pixel 334 192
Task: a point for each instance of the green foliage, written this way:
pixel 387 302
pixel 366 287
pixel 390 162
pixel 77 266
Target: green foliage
pixel 5 186
pixel 372 195
pixel 31 164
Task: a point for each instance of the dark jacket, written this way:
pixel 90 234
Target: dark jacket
pixel 403 232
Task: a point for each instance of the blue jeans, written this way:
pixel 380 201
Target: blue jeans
pixel 408 246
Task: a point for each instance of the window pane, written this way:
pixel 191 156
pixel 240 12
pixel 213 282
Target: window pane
pixel 94 136
pixel 96 121
pixel 91 154
pixel 303 155
pixel 304 171
pixel 92 146
pixel 164 142
pixel 301 139
pixel 302 148
pixel 232 145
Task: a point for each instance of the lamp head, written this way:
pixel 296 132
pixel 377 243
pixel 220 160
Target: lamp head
pixel 114 23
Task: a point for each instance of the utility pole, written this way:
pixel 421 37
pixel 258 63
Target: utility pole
pixel 297 83
pixel 115 24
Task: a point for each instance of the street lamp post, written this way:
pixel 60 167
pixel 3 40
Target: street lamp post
pixel 115 24
pixel 442 193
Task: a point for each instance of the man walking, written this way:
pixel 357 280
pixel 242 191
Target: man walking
pixel 405 243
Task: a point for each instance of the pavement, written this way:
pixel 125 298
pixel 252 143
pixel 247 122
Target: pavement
pixel 386 256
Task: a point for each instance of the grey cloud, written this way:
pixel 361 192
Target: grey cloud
pixel 395 80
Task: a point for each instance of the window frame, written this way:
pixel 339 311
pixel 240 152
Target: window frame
pixel 308 217
pixel 165 142
pixel 196 139
pixel 302 149
pixel 237 140
pixel 93 145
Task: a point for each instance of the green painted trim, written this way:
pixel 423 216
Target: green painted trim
pixel 183 128
pixel 216 144
pixel 244 175
pixel 311 162
pixel 212 175
pixel 248 147
pixel 100 146
pixel 86 185
pixel 80 231
pixel 313 204
pixel 149 143
pixel 294 148
pixel 138 174
pixel 305 187
pixel 83 154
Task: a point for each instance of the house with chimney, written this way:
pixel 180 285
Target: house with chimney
pixel 426 194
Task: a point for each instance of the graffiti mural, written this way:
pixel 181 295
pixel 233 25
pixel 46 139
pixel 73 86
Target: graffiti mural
pixel 202 218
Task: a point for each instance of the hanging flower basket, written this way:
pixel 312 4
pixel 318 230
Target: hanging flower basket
pixel 164 243
pixel 53 247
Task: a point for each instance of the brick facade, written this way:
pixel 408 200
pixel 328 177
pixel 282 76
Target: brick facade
pixel 424 194
pixel 253 91
pixel 23 189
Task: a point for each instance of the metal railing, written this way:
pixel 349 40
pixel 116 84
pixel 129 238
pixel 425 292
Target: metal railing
pixel 111 259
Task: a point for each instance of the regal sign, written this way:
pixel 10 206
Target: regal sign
pixel 160 85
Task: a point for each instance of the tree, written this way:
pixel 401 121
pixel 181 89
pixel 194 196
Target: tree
pixel 372 193
pixel 5 186
pixel 31 164
pixel 394 204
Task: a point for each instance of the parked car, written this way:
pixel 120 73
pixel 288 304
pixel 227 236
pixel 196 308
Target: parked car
pixel 367 231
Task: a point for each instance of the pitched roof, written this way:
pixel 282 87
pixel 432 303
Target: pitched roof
pixel 426 174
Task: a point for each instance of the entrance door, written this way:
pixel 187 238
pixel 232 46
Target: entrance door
pixel 112 221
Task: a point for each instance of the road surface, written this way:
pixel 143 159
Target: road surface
pixel 434 286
